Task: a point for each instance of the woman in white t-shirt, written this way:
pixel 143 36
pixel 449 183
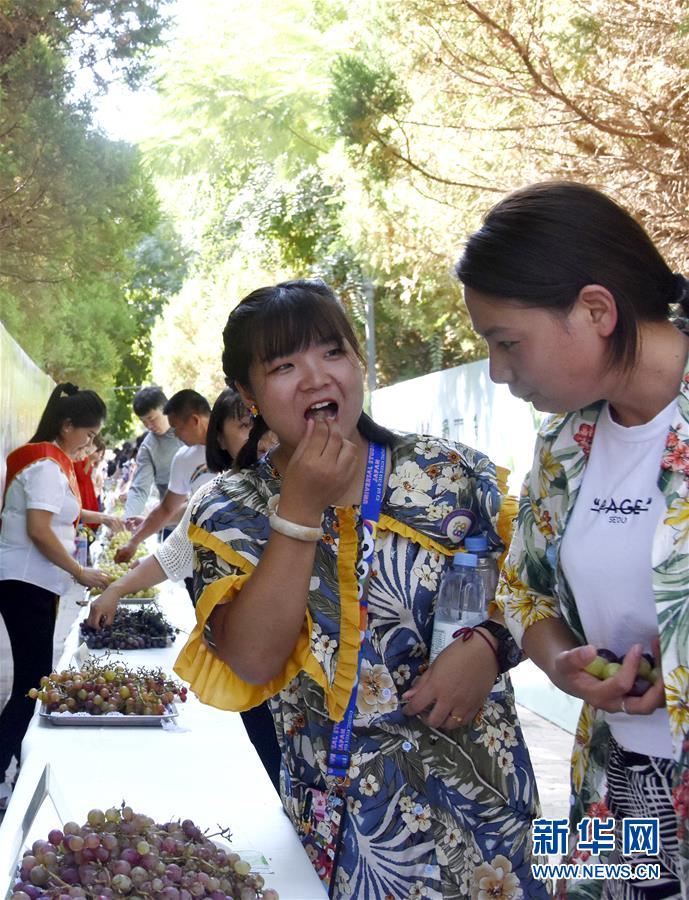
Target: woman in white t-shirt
pixel 40 511
pixel 575 302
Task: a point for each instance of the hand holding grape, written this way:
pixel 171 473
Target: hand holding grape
pixel 104 607
pixel 93 578
pixel 125 552
pixel 631 684
pixel 319 472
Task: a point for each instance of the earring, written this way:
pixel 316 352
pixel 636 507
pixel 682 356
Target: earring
pixel 253 410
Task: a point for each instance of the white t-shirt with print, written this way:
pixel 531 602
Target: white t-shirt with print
pixel 41 485
pixel 606 555
pixel 188 470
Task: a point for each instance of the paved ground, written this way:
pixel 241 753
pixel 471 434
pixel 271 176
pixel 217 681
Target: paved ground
pixel 550 746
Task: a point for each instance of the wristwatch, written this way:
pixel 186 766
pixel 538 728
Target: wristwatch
pixel 508 652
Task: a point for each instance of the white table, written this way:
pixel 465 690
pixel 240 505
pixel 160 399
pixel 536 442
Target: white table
pixel 208 771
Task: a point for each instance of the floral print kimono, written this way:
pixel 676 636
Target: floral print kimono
pixel 430 814
pixel 533 587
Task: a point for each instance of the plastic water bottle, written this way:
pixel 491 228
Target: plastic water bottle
pixel 485 563
pixel 81 548
pixel 461 601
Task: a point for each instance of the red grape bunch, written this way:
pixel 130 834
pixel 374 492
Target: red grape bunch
pixel 103 686
pixel 120 853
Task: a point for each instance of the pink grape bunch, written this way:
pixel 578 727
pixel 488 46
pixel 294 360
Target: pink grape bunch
pixel 606 664
pixel 119 853
pixel 102 686
pixel 132 629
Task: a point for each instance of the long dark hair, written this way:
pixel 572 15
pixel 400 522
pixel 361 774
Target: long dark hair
pixel 229 405
pixel 542 244
pixel 84 409
pixel 279 320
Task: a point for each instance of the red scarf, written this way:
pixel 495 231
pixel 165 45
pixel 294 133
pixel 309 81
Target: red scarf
pixel 24 456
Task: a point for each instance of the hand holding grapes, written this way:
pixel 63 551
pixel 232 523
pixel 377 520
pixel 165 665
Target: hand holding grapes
pixel 104 607
pixel 606 684
pixel 92 578
pixel 125 552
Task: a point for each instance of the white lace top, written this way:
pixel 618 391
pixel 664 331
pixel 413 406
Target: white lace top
pixel 176 553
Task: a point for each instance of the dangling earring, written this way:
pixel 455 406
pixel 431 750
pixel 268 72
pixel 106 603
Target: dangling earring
pixel 253 410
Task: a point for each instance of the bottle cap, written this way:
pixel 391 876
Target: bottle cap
pixel 477 543
pixel 469 560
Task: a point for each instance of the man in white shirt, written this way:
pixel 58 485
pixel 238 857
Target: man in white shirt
pixel 188 413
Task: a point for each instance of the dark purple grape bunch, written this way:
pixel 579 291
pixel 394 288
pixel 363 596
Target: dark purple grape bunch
pixel 139 629
pixel 606 664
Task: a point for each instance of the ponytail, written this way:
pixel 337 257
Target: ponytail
pixel 84 409
pixel 248 455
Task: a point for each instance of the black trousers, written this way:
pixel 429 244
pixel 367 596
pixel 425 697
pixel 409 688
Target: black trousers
pixel 261 730
pixel 29 614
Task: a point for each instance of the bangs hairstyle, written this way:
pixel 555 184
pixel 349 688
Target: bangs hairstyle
pixel 229 405
pixel 272 322
pixel 276 321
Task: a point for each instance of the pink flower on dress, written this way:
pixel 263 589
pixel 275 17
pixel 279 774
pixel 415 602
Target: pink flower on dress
pixel 676 454
pixel 584 437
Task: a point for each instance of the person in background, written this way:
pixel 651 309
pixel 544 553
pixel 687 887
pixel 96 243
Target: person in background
pixel 575 302
pixel 41 508
pixel 98 470
pixel 188 413
pixel 155 454
pixel 301 602
pixel 87 470
pixel 227 432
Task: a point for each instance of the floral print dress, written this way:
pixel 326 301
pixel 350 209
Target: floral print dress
pixel 430 814
pixel 533 587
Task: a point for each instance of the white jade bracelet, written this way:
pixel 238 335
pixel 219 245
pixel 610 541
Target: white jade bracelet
pixel 292 530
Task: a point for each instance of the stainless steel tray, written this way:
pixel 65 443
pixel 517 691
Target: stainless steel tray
pixel 140 600
pixel 89 596
pixel 169 641
pixel 106 721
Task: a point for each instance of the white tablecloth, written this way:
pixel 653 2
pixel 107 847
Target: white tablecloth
pixel 207 771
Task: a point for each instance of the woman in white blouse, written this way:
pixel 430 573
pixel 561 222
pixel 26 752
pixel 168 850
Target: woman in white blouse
pixel 39 515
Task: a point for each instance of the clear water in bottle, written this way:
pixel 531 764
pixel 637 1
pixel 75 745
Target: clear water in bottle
pixel 461 601
pixel 485 563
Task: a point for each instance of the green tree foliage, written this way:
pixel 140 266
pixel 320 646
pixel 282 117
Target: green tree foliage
pixel 249 149
pixel 509 92
pixel 77 212
pixel 364 141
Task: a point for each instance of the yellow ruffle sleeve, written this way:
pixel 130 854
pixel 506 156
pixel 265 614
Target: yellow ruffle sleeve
pixel 509 507
pixel 215 683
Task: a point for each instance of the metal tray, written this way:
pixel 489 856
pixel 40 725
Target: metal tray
pixel 140 600
pixel 106 721
pixel 168 643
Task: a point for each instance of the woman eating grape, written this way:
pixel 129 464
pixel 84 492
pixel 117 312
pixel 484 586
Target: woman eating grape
pixel 316 572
